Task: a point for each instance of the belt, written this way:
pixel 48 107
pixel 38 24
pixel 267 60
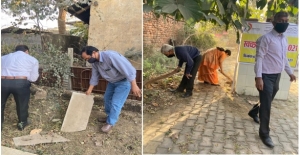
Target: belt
pixel 14 77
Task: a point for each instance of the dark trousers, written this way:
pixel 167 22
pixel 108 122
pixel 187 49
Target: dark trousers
pixel 186 83
pixel 266 96
pixel 20 89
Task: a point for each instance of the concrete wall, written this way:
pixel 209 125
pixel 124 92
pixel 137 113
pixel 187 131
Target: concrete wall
pixel 159 31
pixel 64 42
pixel 116 25
pixel 10 40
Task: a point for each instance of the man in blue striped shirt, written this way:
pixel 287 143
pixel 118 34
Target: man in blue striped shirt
pixel 119 73
pixel 190 55
pixel 18 69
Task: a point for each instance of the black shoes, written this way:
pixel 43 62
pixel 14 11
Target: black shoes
pixel 253 113
pixel 255 117
pixel 22 125
pixel 267 141
pixel 187 94
pixel 176 91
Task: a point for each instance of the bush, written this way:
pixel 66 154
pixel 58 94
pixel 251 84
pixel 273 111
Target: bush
pixel 53 64
pixel 155 63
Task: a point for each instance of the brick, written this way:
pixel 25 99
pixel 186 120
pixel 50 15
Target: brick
pixel 190 122
pixel 175 150
pixel 192 147
pixel 241 138
pixel 208 132
pixel 294 142
pixel 254 148
pixel 187 130
pixel 229 120
pixel 218 137
pixel 167 143
pixel 196 135
pixel 204 150
pixel 211 118
pixel 209 125
pixel 230 134
pixel 182 138
pixel 267 151
pixel 206 141
pixel 217 148
pixel 229 151
pixel 249 129
pixel 229 144
pixel 220 122
pixel 200 120
pixel 213 110
pixel 240 132
pixel 203 114
pixel 287 147
pixel 238 119
pixel 178 125
pixel 193 116
pixel 238 125
pixel 162 150
pixel 285 127
pixel 151 147
pixel 282 138
pixel 250 137
pixel 199 127
pixel 278 150
pixel 229 127
pixel 290 134
pixel 204 110
pixel 221 116
pixel 219 129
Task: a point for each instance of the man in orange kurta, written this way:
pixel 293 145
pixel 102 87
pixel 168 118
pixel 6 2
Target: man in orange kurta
pixel 212 60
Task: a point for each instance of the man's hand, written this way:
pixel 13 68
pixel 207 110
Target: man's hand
pixel 188 76
pixel 90 89
pixel 292 77
pixel 136 91
pixel 259 84
pixel 88 92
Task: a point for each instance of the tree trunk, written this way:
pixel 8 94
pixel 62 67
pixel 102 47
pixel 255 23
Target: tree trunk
pixel 62 21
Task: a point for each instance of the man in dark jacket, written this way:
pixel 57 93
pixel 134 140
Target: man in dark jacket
pixel 190 55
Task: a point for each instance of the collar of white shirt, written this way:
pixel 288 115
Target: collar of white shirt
pixel 275 33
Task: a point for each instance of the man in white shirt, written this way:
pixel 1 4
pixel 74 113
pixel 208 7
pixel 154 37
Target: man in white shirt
pixel 271 60
pixel 18 69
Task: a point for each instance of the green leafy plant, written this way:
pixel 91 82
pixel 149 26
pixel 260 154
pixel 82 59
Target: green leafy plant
pixel 227 13
pixel 80 30
pixel 157 63
pixel 54 65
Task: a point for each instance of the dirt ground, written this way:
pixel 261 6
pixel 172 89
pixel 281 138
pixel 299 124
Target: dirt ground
pixel 48 114
pixel 159 98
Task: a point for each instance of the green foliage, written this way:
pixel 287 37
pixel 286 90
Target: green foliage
pixel 228 13
pixel 155 63
pixel 35 10
pixel 55 64
pixel 80 30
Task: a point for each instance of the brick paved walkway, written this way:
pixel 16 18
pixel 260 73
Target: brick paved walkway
pixel 213 121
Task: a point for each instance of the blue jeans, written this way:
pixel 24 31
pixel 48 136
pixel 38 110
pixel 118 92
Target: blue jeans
pixel 114 99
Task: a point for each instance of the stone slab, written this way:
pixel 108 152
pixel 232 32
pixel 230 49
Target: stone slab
pixel 78 112
pixel 38 139
pixel 10 151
